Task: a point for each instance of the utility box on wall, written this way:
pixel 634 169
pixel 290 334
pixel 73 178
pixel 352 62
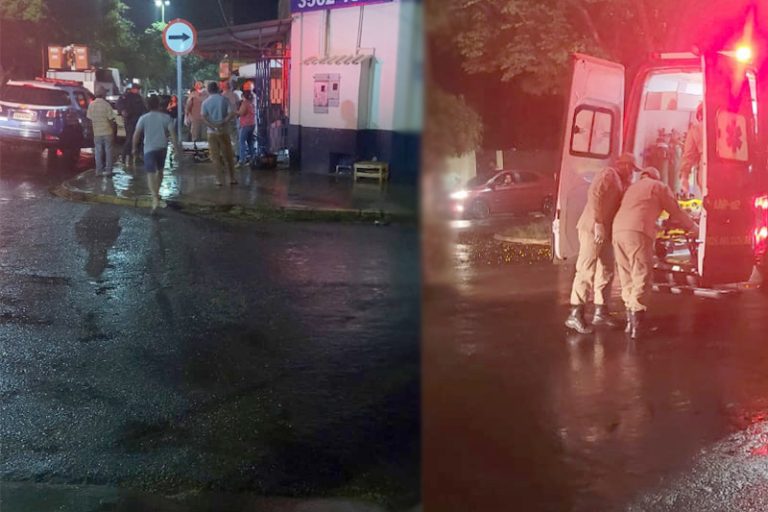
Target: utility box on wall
pixel 336 92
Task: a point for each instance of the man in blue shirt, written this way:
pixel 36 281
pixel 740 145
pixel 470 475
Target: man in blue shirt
pixel 217 115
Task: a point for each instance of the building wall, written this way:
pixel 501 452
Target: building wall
pixel 387 117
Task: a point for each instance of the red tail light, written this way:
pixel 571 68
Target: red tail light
pixel 51 114
pixel 761 226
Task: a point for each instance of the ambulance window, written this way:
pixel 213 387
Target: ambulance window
pixel 591 133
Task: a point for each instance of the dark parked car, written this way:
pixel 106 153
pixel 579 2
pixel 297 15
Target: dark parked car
pixel 504 192
pixel 46 113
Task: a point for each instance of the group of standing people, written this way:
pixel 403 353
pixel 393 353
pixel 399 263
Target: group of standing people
pixel 618 229
pixel 225 118
pixel 241 128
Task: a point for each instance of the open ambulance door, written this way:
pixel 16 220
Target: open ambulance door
pixel 725 254
pixel 593 130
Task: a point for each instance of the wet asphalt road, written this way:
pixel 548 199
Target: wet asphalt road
pixel 520 415
pixel 177 353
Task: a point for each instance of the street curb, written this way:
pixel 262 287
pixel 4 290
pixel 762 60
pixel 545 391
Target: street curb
pixel 520 240
pixel 297 213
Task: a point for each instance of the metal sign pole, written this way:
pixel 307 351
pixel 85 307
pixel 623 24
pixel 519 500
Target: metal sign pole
pixel 180 99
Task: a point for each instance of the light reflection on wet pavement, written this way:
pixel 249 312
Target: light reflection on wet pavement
pixel 194 183
pixel 173 353
pixel 521 415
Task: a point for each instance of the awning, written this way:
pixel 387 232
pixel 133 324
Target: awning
pixel 336 59
pixel 251 41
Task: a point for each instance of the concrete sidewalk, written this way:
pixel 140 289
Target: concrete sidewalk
pixel 259 194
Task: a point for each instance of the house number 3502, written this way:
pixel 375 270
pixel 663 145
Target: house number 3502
pixel 303 4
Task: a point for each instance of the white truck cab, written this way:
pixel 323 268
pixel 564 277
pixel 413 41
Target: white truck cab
pixel 108 78
pixel 651 122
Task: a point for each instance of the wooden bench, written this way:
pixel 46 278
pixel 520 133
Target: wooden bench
pixel 376 170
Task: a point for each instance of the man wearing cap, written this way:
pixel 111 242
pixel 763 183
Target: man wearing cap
pixel 692 154
pixel 131 107
pixel 595 264
pixel 634 234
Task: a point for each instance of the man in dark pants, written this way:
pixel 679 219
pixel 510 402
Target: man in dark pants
pixel 131 107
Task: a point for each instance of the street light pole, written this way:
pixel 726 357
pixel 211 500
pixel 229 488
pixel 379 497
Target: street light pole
pixel 161 4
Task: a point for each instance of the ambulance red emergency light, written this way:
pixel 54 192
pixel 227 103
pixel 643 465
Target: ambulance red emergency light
pixel 663 98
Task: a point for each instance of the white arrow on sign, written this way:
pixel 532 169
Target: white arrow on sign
pixel 179 37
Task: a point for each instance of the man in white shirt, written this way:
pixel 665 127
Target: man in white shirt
pixel 102 117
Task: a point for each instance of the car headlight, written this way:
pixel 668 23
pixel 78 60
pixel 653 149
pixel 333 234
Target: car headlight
pixel 460 195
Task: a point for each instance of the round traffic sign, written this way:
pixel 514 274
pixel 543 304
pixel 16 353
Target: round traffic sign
pixel 179 37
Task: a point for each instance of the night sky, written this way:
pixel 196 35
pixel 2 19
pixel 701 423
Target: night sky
pixel 202 13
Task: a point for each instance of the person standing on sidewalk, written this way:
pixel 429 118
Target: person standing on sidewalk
pixel 247 115
pixel 131 107
pixel 172 110
pixel 595 263
pixel 192 112
pixel 231 97
pixel 634 234
pixel 157 127
pixel 218 117
pixel 102 117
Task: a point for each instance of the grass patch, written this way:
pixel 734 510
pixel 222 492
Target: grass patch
pixel 538 229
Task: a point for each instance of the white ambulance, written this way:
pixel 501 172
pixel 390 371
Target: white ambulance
pixel 663 98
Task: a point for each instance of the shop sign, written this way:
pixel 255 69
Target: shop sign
pixel 319 5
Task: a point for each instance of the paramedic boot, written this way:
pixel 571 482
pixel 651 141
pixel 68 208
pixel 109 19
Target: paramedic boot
pixel 637 324
pixel 576 321
pixel 603 317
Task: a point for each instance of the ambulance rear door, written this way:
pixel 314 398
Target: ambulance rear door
pixel 592 139
pixel 727 221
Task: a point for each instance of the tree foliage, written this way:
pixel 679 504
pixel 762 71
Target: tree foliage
pixel 452 127
pixel 28 26
pixel 530 41
pixel 158 67
pixel 21 10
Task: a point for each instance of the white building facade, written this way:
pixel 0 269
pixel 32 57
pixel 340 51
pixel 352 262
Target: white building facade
pixel 356 84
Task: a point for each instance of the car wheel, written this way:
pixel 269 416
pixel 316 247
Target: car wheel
pixel 548 205
pixel 480 209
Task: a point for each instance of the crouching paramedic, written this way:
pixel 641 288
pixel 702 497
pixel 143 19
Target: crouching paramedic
pixel 634 234
pixel 595 263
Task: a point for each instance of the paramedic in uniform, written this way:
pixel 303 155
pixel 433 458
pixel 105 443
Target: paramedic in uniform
pixel 595 264
pixel 692 154
pixel 634 235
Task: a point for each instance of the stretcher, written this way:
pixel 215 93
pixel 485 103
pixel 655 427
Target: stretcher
pixel 197 150
pixel 675 268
